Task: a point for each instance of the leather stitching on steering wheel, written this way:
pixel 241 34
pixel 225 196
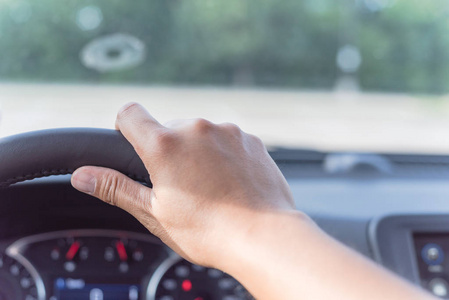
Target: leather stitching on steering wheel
pixel 61 151
pixel 46 173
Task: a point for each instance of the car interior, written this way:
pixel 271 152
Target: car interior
pixel 348 96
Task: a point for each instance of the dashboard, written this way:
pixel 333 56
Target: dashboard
pixel 57 243
pixel 106 264
pixel 74 247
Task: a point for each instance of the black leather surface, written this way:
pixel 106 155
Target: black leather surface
pixel 61 151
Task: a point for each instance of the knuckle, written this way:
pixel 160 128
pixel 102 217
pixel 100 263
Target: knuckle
pixel 202 126
pixel 256 140
pixel 127 109
pixel 145 202
pixel 232 128
pixel 108 189
pixel 145 199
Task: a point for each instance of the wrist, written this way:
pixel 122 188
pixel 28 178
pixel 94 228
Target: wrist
pixel 258 234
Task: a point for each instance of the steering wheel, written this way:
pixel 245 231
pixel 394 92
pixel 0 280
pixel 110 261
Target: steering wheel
pixel 61 151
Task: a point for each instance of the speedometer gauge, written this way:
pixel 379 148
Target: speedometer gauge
pixel 177 279
pixel 16 281
pixel 90 263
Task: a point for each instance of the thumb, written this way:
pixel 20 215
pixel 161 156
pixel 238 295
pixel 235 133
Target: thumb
pixel 114 188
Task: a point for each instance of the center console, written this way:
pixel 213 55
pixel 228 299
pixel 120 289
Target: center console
pixel 416 247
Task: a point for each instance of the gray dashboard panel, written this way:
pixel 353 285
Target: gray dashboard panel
pixel 370 198
pixel 344 208
pixel 349 208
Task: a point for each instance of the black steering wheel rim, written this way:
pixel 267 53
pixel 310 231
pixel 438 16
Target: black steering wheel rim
pixel 51 152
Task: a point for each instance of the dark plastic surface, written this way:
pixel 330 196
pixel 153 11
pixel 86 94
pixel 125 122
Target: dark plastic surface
pixel 32 208
pixel 61 151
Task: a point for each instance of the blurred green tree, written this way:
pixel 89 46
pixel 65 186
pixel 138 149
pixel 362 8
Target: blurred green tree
pixel 403 43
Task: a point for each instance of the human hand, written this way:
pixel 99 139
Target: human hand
pixel 219 200
pixel 210 182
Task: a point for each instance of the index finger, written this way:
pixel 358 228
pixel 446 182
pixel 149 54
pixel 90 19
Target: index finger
pixel 137 125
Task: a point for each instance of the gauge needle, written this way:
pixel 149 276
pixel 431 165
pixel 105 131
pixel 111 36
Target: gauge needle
pixel 72 250
pixel 121 251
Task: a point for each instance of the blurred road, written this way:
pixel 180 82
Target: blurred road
pixel 334 121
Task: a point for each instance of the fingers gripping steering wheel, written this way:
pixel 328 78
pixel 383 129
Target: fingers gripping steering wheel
pixel 61 151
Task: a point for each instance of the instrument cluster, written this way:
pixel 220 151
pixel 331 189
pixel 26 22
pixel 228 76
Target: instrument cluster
pixel 107 265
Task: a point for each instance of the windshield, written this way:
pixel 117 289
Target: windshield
pixel 367 75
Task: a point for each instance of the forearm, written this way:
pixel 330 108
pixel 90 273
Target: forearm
pixel 285 256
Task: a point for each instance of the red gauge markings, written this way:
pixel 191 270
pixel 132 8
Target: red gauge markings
pixel 121 250
pixel 73 250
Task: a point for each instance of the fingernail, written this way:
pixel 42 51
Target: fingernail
pixel 84 182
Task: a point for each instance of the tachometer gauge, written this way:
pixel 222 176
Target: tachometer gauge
pixel 177 279
pixel 17 281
